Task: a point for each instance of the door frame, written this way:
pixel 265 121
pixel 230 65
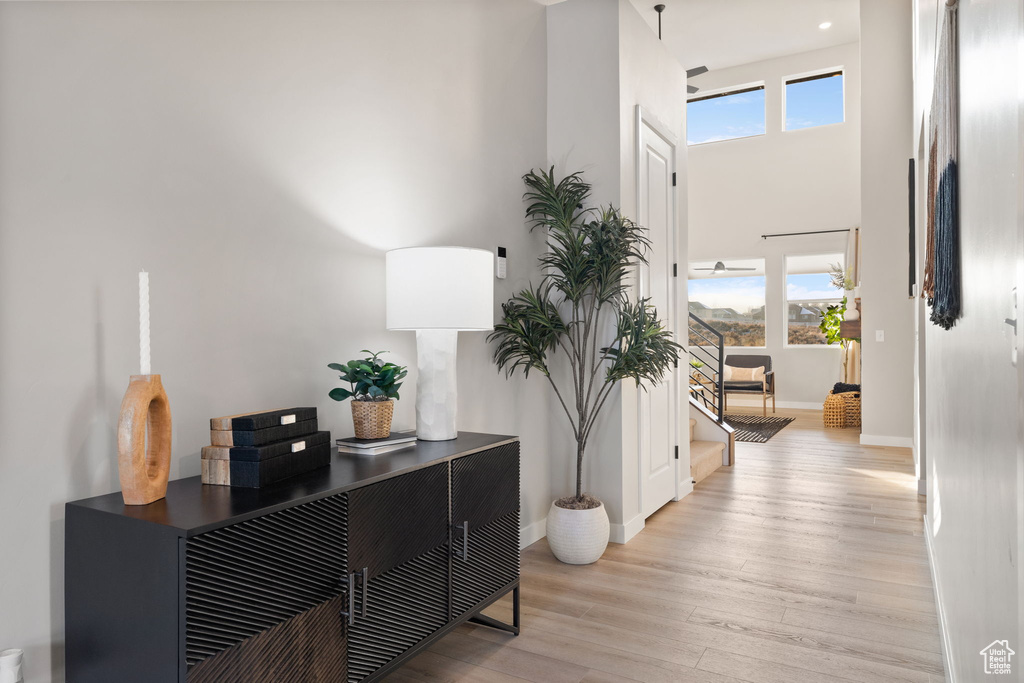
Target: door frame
pixel 644 117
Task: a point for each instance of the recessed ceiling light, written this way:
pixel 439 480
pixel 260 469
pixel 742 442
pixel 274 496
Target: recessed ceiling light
pixel 824 25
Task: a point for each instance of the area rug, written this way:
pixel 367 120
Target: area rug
pixel 756 429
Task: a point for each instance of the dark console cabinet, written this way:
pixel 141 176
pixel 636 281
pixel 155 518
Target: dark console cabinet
pixel 337 575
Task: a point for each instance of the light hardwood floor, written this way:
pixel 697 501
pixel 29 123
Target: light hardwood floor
pixel 805 562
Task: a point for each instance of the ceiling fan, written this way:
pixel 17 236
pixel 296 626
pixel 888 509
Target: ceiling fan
pixel 720 268
pixel 690 73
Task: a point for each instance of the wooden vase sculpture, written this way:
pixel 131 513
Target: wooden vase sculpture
pixel 144 441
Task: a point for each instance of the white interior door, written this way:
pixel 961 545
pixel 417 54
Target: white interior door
pixel 657 409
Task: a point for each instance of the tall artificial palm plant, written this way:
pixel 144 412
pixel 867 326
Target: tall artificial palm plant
pixel 582 307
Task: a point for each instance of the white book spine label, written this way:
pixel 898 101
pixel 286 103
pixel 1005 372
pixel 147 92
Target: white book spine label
pixel 287 419
pixel 298 446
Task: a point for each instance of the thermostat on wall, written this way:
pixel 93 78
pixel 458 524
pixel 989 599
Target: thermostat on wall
pixel 501 263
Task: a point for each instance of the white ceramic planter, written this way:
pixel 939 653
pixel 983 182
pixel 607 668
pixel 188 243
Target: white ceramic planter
pixel 578 536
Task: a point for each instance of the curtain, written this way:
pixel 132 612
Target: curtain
pixel 853 256
pixel 851 363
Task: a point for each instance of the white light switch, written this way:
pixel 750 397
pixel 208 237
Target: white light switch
pixel 879 335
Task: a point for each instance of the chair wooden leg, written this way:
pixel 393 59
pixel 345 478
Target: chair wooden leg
pixel 764 405
pixel 773 403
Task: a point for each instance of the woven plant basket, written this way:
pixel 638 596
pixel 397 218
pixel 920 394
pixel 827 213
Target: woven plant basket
pixel 842 410
pixel 851 407
pixel 372 419
pixel 834 411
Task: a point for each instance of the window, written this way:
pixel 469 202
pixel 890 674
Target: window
pixel 809 291
pixel 725 116
pixel 814 100
pixel 731 301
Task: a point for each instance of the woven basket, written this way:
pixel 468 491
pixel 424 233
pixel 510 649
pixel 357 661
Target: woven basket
pixel 842 410
pixel 834 411
pixel 851 407
pixel 372 419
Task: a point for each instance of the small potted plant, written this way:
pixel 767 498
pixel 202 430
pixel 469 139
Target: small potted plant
pixel 374 389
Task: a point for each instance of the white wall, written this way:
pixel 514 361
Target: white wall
pixel 583 129
pixel 603 60
pixel 779 182
pixel 650 76
pixel 257 159
pixel 973 416
pixel 887 144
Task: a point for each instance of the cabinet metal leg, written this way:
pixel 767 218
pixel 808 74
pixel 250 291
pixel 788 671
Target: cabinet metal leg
pixel 515 609
pixel 512 628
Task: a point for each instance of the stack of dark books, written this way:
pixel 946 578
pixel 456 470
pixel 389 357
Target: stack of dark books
pixel 258 449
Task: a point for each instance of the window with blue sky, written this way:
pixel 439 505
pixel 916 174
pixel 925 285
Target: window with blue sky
pixel 814 100
pixel 731 300
pixel 725 116
pixel 809 292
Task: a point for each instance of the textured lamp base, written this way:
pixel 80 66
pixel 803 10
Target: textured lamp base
pixel 436 392
pixel 144 467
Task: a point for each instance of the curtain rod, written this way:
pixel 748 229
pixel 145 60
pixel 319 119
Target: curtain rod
pixel 813 232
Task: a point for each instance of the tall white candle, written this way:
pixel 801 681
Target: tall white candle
pixel 144 368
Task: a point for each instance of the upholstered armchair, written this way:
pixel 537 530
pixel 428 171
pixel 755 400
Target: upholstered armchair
pixel 763 387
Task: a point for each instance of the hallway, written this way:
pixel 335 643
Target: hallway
pixel 803 563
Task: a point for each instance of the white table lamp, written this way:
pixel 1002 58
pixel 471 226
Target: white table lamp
pixel 438 291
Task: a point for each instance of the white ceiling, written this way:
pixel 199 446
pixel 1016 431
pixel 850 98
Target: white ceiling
pixel 721 33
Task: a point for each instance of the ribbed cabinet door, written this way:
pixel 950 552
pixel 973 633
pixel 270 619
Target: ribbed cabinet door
pixel 402 607
pixel 309 648
pixel 398 559
pixel 397 520
pixel 485 485
pixel 485 525
pixel 261 588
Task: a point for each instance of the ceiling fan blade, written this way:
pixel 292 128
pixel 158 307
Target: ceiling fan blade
pixel 703 268
pixel 741 268
pixel 690 89
pixel 696 71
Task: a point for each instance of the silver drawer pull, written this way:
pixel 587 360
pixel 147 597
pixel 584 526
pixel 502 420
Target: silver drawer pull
pixel 366 580
pixel 350 613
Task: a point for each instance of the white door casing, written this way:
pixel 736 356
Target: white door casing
pixel 657 406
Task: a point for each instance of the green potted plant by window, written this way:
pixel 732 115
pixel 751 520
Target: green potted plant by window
pixel 582 310
pixel 833 316
pixel 373 388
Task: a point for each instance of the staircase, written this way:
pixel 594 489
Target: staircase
pixel 707 401
pixel 707 358
pixel 705 456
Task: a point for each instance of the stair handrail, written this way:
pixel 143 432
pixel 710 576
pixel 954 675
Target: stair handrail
pixel 719 385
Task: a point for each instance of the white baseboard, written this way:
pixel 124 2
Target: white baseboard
pixel 620 533
pixel 531 533
pixel 947 648
pixel 685 488
pixel 896 441
pixel 789 405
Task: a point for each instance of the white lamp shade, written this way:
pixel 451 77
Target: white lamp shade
pixel 440 288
